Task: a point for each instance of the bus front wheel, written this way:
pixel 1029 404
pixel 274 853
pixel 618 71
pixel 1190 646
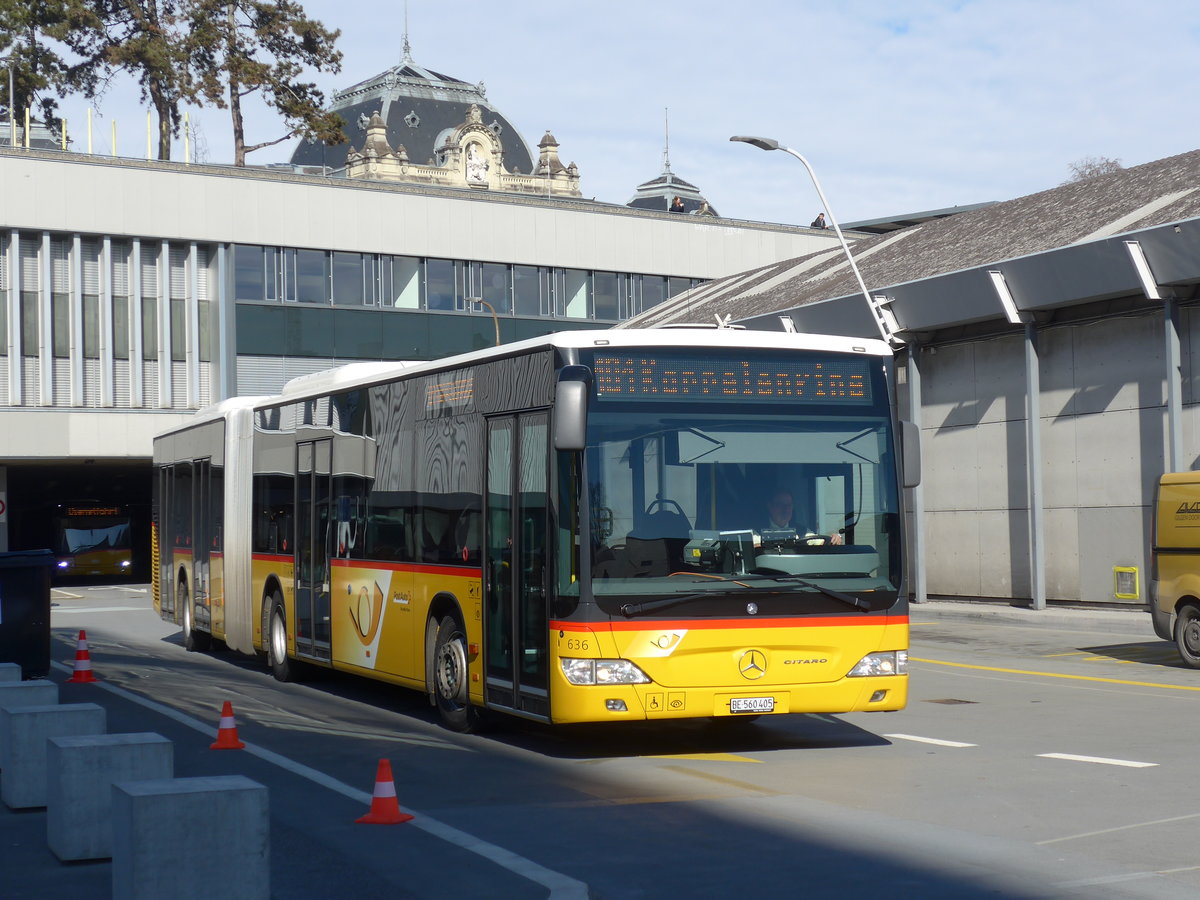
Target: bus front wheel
pixel 1187 634
pixel 281 667
pixel 192 639
pixel 450 677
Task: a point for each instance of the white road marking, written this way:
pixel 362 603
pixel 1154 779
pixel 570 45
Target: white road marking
pixel 1128 763
pixel 58 610
pixel 1088 834
pixel 560 885
pixel 59 592
pixel 927 740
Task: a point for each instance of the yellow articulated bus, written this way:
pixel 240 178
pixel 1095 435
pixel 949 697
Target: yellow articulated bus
pixel 1175 563
pixel 586 527
pixel 92 538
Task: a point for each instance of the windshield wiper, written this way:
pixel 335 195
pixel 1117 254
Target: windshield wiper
pixel 849 599
pixel 629 610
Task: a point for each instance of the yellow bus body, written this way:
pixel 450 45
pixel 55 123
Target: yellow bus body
pixel 378 616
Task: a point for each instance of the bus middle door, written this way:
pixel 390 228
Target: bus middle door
pixel 516 639
pixel 314 532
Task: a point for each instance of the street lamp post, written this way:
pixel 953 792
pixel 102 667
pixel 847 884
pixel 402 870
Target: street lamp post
pixel 492 309
pixel 12 116
pixel 883 318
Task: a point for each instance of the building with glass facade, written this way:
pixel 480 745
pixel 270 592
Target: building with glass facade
pixel 133 293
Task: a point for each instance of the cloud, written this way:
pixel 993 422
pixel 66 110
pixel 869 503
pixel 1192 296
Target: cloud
pixel 930 104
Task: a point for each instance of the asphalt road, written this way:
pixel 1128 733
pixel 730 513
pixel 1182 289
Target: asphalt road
pixel 1039 757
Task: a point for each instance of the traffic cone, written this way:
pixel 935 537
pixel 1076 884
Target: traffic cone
pixel 385 809
pixel 83 662
pixel 227 738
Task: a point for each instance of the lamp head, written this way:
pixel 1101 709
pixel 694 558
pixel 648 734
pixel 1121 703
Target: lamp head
pixel 761 143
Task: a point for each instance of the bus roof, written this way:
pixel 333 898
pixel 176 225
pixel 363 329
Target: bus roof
pixel 356 375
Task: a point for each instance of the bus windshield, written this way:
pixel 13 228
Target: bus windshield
pixel 699 502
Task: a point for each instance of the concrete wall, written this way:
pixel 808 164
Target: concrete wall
pixel 97 195
pixel 1103 448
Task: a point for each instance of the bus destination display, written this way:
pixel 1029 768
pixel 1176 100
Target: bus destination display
pixel 813 380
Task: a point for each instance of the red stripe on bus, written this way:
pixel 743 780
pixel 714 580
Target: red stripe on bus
pixel 716 624
pixel 272 557
pixel 416 568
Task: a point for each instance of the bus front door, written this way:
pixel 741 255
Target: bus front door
pixel 313 523
pixel 516 638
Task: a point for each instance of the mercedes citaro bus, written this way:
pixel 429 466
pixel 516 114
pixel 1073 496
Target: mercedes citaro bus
pixel 572 528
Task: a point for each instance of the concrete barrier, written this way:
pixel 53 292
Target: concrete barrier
pixel 188 838
pixel 80 771
pixel 24 693
pixel 24 731
pixel 9 672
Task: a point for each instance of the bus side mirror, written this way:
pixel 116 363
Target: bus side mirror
pixel 570 415
pixel 910 453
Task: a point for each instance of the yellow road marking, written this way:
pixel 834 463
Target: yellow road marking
pixel 1169 687
pixel 713 757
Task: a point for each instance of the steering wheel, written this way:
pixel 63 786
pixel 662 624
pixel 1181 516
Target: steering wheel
pixel 662 502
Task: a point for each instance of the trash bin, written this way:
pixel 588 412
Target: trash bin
pixel 25 610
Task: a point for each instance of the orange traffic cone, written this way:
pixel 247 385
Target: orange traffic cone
pixel 227 738
pixel 83 661
pixel 385 810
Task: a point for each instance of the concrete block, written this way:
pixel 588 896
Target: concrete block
pixel 80 772
pixel 24 693
pixel 24 732
pixel 171 836
pixel 9 672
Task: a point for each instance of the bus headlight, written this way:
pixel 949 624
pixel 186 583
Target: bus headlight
pixel 602 671
pixel 894 662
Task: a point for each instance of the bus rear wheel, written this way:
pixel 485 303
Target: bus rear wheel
pixel 193 640
pixel 282 667
pixel 1187 634
pixel 450 677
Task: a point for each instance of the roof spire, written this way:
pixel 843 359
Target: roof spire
pixel 666 141
pixel 407 48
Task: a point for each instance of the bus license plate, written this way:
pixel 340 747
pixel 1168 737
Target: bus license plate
pixel 752 705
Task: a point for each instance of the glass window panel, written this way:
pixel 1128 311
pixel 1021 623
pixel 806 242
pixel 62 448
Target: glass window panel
pixel 61 309
pixel 206 328
pixel 654 291
pixel 406 282
pixel 149 328
pixel 496 285
pixel 120 326
pixel 91 326
pixel 575 301
pixel 312 276
pixel 439 284
pixel 348 279
pixel 604 293
pixel 178 330
pixel 29 323
pixel 249 272
pixel 676 286
pixel 526 291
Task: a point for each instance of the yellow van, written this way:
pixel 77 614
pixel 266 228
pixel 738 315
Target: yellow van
pixel 1175 563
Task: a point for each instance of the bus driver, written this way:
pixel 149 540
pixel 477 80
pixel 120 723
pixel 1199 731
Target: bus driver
pixel 779 512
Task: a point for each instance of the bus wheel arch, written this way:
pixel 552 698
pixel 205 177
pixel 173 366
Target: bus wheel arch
pixel 447 676
pixel 1187 631
pixel 193 640
pixel 282 666
pixel 272 594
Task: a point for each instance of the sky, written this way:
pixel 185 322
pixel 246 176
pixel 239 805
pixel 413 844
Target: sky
pixel 898 106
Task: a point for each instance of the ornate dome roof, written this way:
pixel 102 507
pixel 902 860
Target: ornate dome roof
pixel 418 105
